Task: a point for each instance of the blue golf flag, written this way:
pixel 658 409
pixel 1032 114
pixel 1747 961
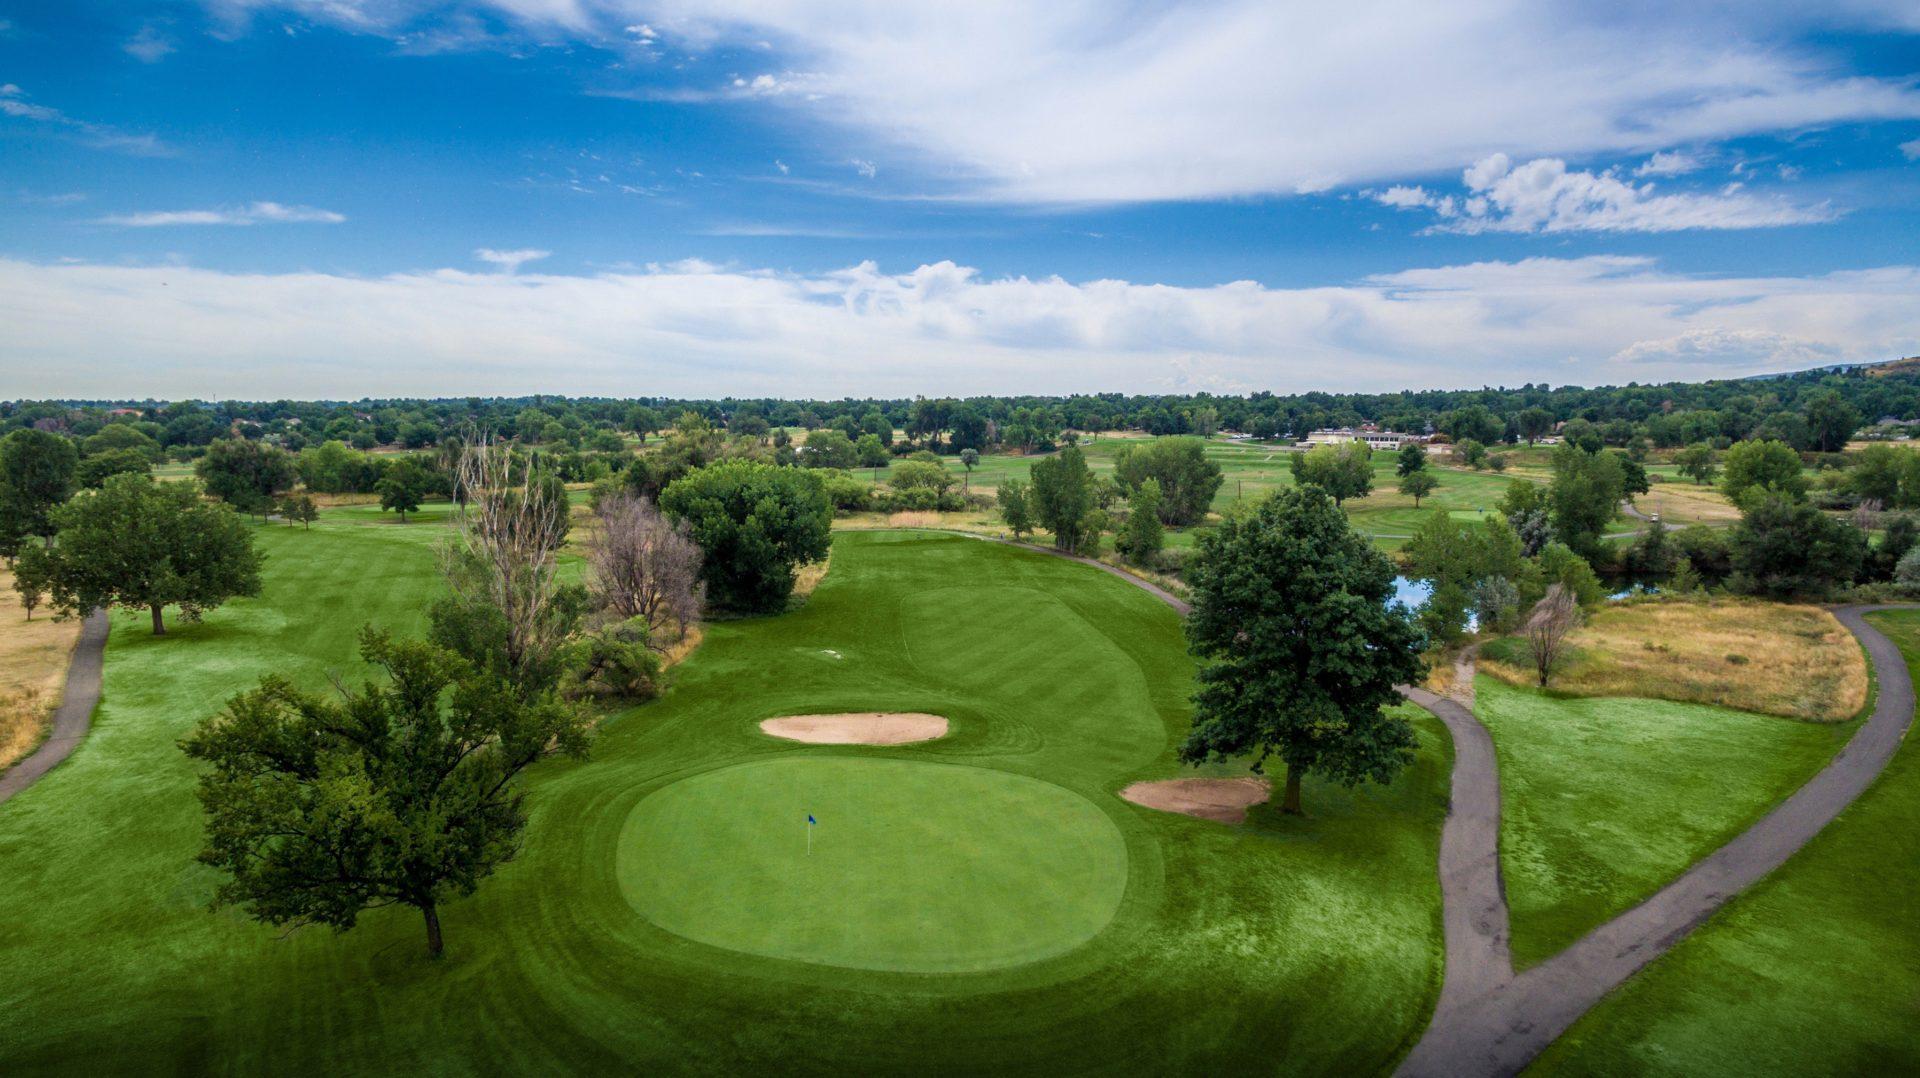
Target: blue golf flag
pixel 810 818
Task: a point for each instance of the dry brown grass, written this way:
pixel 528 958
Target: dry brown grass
pixel 33 668
pixel 1682 503
pixel 809 576
pixel 1771 658
pixel 977 521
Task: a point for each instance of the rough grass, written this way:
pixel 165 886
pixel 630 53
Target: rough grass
pixel 1605 801
pixel 33 670
pixel 1814 970
pixel 1315 942
pixel 1774 658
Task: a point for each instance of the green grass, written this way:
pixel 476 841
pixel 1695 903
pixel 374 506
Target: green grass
pixel 1604 801
pixel 1814 970
pixel 918 867
pixel 1314 941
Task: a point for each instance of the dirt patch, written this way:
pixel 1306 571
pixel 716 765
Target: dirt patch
pixel 1224 800
pixel 33 668
pixel 858 728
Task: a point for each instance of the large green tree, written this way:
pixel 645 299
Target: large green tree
pixel 404 485
pixel 36 476
pixel 1767 467
pixel 319 809
pixel 1584 496
pixel 1343 471
pixel 1783 547
pixel 145 545
pixel 1301 645
pixel 755 523
pixel 1831 421
pixel 246 474
pixel 1188 480
pixel 1061 497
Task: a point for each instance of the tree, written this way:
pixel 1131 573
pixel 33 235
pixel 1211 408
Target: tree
pixel 1633 476
pixel 400 792
pixel 1584 496
pixel 33 577
pixel 301 508
pixel 1473 454
pixel 506 610
pixel 36 476
pixel 644 565
pixel 871 452
pixel 1343 471
pixel 1766 466
pixel 1419 484
pixel 245 474
pixel 754 523
pixel 145 545
pixel 969 459
pixel 1302 645
pixel 1472 423
pixel 403 486
pixel 1557 563
pixel 1652 553
pixel 1831 421
pixel 1062 497
pixel 1550 630
pixel 1413 458
pixel 1783 547
pixel 1533 423
pixel 1143 539
pixel 1698 462
pixel 1188 480
pixel 93 471
pixel 829 448
pixel 1015 507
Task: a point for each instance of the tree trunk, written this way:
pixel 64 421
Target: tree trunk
pixel 159 626
pixel 432 914
pixel 1290 802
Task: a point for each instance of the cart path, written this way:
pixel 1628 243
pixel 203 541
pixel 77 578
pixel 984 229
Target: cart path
pixel 1490 1021
pixel 75 713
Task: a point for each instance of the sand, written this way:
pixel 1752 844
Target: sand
pixel 1224 800
pixel 858 728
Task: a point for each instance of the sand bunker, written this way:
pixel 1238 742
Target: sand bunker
pixel 1225 800
pixel 858 728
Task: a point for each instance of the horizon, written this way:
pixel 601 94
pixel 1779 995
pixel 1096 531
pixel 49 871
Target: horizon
pixel 283 198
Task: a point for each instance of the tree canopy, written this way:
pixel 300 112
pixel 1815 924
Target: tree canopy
pixel 1188 480
pixel 1343 471
pixel 1301 645
pixel 146 545
pixel 754 523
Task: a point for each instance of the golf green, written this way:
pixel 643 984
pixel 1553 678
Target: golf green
pixel 912 867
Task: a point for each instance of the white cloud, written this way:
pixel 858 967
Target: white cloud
pixel 1090 101
pixel 150 45
pixel 694 328
pixel 864 168
pixel 1545 196
pixel 14 103
pixel 253 213
pixel 510 261
pixel 1911 149
pixel 782 166
pixel 1669 163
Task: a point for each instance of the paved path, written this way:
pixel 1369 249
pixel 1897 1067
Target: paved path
pixel 75 713
pixel 1490 1021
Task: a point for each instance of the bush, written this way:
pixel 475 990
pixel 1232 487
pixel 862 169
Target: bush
pixel 846 492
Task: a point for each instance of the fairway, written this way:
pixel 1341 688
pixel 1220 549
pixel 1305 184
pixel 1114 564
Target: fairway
pixel 916 867
pixel 989 881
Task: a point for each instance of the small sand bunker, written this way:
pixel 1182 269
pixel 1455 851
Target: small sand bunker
pixel 1225 800
pixel 858 728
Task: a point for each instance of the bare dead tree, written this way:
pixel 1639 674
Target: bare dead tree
pixel 1867 515
pixel 509 526
pixel 645 565
pixel 1549 626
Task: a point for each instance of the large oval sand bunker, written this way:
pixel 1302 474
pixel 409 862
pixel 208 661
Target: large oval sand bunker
pixel 911 867
pixel 1224 800
pixel 858 728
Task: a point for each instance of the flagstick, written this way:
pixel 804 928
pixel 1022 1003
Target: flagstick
pixel 809 838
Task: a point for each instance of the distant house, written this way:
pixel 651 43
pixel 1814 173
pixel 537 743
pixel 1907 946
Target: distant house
pixel 125 411
pixel 1375 439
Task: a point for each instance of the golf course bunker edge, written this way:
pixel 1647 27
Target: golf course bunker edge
pixel 857 728
pixel 906 866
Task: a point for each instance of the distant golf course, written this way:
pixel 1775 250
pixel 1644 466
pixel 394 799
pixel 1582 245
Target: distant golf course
pixel 983 898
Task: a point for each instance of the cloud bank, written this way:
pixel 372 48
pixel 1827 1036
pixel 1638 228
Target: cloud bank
pixel 254 213
pixel 94 330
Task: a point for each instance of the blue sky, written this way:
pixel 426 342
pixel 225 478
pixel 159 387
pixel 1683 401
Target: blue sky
pixel 348 197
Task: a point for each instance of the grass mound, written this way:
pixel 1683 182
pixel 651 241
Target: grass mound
pixel 1604 801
